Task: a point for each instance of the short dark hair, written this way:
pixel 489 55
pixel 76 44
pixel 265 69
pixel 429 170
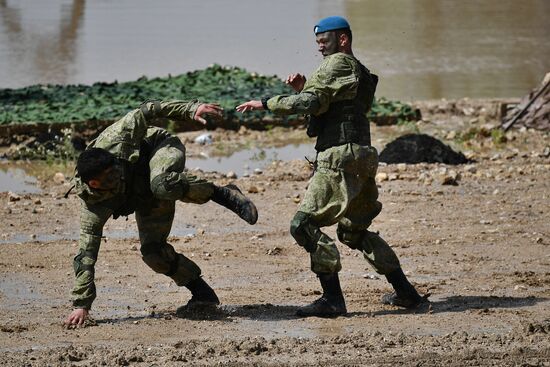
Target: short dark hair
pixel 92 162
pixel 345 31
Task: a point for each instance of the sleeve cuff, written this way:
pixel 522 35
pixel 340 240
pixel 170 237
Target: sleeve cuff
pixel 264 103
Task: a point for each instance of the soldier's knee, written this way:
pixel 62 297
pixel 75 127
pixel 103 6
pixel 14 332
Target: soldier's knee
pixel 352 239
pixel 304 231
pixel 161 259
pixel 169 186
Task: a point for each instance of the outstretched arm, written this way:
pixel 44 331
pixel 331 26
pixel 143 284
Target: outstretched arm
pixel 180 110
pixel 92 220
pixel 302 103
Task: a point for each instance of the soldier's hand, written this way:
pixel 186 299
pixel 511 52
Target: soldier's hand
pixel 77 317
pixel 296 81
pixel 250 106
pixel 208 109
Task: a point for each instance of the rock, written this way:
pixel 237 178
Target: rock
pixel 451 135
pixel 274 251
pixel 59 178
pixel 381 176
pixel 258 171
pixel 471 168
pixel 253 190
pixel 370 276
pixel 13 197
pixel 231 174
pixel 38 202
pixel 448 180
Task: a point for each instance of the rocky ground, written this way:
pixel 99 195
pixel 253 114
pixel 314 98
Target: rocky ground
pixel 476 237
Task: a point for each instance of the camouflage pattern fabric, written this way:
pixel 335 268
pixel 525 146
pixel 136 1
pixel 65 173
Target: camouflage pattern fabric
pixel 149 189
pixel 336 79
pixel 342 189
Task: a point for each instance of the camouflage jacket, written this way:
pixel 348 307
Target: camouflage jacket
pixel 124 139
pixel 336 79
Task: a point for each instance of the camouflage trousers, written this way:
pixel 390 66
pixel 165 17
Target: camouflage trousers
pixel 169 183
pixel 343 191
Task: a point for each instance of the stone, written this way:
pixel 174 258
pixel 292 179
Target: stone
pixel 381 176
pixel 59 178
pixel 231 174
pixel 451 135
pixel 13 197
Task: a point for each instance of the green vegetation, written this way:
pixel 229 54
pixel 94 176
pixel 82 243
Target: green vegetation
pixel 228 86
pixel 386 112
pixel 109 101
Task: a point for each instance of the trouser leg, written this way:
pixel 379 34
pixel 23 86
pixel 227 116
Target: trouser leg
pixel 154 227
pixel 323 252
pixel 169 181
pixel 325 262
pixel 384 261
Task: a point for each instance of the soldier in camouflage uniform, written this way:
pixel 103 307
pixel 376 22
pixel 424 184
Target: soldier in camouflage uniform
pixel 133 167
pixel 342 190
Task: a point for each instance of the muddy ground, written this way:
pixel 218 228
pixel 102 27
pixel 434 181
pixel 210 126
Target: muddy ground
pixel 476 237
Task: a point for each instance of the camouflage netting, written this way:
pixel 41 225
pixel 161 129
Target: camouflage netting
pixel 534 109
pixel 56 121
pixel 228 86
pixel 418 148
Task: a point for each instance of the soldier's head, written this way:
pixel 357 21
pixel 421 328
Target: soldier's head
pixel 95 168
pixel 333 34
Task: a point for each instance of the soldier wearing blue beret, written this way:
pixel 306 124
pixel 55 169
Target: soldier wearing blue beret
pixel 342 191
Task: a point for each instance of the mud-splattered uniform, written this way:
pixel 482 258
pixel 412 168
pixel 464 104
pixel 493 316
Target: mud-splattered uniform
pixel 342 190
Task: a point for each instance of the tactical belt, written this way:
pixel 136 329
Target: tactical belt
pixel 342 133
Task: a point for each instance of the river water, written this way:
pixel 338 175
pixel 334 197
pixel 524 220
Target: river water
pixel 421 49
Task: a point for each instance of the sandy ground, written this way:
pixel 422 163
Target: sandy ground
pixel 481 248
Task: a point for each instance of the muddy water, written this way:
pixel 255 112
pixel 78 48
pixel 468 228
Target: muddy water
pixel 17 180
pixel 246 162
pixel 421 49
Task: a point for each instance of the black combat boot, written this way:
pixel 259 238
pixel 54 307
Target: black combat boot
pixel 201 296
pixel 331 303
pixel 233 199
pixel 405 295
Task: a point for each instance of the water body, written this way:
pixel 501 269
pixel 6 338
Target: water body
pixel 246 161
pixel 421 49
pixel 17 180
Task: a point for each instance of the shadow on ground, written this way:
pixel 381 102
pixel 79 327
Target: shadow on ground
pixel 465 303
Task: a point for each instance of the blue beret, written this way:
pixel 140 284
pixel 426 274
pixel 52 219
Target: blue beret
pixel 331 24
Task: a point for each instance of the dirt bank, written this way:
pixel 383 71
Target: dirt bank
pixel 480 246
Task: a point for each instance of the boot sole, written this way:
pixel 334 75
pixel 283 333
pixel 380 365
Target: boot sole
pixel 250 207
pixel 324 315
